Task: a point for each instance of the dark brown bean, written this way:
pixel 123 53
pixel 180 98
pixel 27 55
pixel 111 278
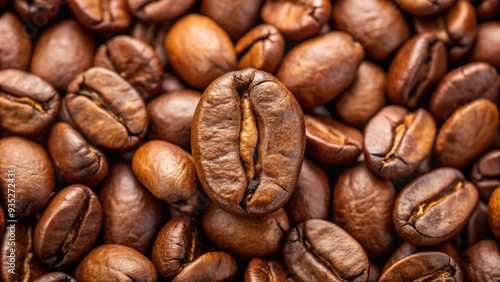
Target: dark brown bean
pixel 487 44
pixel 486 174
pixel 481 261
pixel 15 45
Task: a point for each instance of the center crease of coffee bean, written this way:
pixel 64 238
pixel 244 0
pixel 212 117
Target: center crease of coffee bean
pixel 39 106
pixel 334 135
pixel 399 133
pixel 424 207
pixel 255 41
pixel 443 273
pixel 421 75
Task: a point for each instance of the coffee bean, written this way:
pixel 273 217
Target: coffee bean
pixel 259 270
pixel 159 11
pixel 425 211
pixel 494 212
pixel 212 266
pixel 68 227
pixel 481 260
pixel 242 126
pixel 486 174
pixel 55 277
pixel 28 104
pixel 106 17
pixel 39 12
pixel 15 45
pixel 487 44
pixel 425 8
pixel 154 34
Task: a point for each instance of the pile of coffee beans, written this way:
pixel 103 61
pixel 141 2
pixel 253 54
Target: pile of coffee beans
pixel 249 140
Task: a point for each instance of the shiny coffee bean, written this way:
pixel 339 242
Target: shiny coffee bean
pixel 362 206
pixel 199 50
pixel 487 44
pixel 494 213
pixel 330 142
pixel 242 124
pixel 260 270
pixel 55 277
pixel 406 249
pixel 101 264
pixel 15 45
pixel 261 48
pixel 211 266
pixel 297 20
pixel 132 215
pixel 486 174
pixel 377 24
pixel 75 159
pixel 311 197
pixel 28 104
pixel 481 261
pixel 38 12
pixel 467 133
pixel 171 117
pixel 159 11
pixel 107 110
pixel 364 97
pixel 235 16
pixel 166 170
pixel 22 265
pixel 427 266
pixel 62 52
pixel 176 245
pixel 244 236
pixel 318 250
pixel 463 85
pixel 396 141
pixel 424 7
pixel 68 227
pixel 457 27
pixel 415 69
pixel 339 57
pixel 28 171
pixel 154 34
pixel 133 60
pixel 425 212
pixel 104 16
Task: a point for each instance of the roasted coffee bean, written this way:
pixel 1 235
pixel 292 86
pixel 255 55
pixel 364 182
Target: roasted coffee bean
pixel 424 7
pixel 456 27
pixel 62 52
pixel 212 266
pixel 396 141
pixel 154 34
pixel 28 104
pixel 68 227
pixel 467 133
pixel 406 249
pixel 330 142
pixel 494 213
pixel 319 69
pixel 133 60
pixel 15 44
pixel 75 159
pixel 415 69
pixel 113 262
pixel 235 16
pixel 486 174
pixel 176 245
pixel 28 171
pixel 261 48
pixel 475 229
pixel 55 277
pixel 480 261
pixel 426 213
pixel 104 16
pixel 39 12
pixel 311 197
pixel 132 215
pixel 151 11
pixel 199 50
pixel 318 250
pixel 247 158
pixel 487 9
pixel 374 275
pixel 260 270
pixel 19 262
pixel 171 83
pixel 171 117
pixel 106 109
pixel 297 20
pixel 463 85
pixel 377 24
pixel 364 97
pixel 427 266
pixel 166 170
pixel 362 206
pixel 244 236
pixel 487 44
